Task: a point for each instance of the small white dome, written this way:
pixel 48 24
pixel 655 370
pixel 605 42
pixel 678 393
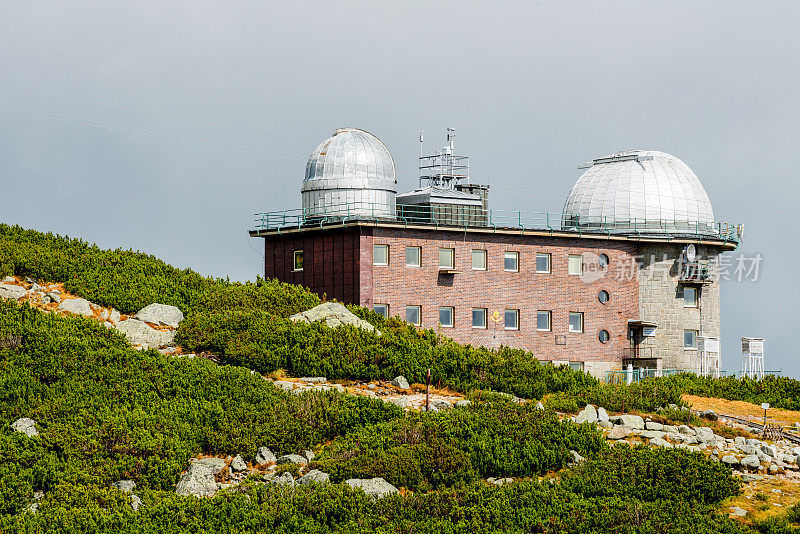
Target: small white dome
pixel 639 190
pixel 350 174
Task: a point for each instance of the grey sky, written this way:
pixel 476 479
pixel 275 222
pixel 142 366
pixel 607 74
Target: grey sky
pixel 532 88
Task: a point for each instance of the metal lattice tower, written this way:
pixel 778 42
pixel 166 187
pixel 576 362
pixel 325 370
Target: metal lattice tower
pixel 753 357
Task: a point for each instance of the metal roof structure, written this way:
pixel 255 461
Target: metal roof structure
pixel 648 189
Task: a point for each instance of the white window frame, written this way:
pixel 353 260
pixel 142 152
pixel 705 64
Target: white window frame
pixel 576 366
pixel 419 314
pixel 485 260
pixel 452 258
pixel 386 306
pixel 549 262
pixel 569 322
pixel 511 254
pixel 516 319
pixel 694 346
pixel 485 318
pixel 696 297
pixel 294 260
pixel 379 246
pixel 571 257
pixel 452 316
pixel 549 321
pixel 419 256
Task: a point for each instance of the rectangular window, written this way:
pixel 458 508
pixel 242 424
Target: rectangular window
pixel 414 315
pixel 297 260
pixel 576 366
pixel 690 339
pixel 576 264
pixel 511 319
pixel 479 260
pixel 511 262
pixel 478 317
pixel 575 321
pixel 689 296
pixel 381 309
pixel 446 317
pixel 543 321
pixel 447 258
pixel 542 263
pixel 380 254
pixel 413 256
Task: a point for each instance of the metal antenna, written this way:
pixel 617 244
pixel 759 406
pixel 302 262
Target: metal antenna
pixel 421 154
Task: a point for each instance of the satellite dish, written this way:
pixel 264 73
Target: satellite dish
pixel 691 253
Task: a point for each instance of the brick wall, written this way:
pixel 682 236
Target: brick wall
pixel 528 291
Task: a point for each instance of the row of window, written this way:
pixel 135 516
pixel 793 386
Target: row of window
pixel 480 318
pixel 447 259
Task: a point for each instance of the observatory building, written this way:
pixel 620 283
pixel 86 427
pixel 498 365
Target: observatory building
pixel 623 281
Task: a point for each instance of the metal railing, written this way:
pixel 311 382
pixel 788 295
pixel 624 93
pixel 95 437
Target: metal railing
pixel 638 353
pixel 456 216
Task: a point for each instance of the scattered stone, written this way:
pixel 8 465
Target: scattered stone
pixel 400 382
pixel 658 442
pixel 113 316
pixel 711 415
pixel 375 487
pixel 286 479
pixel 136 502
pixel 729 459
pixel 684 429
pixel 751 461
pixel 577 458
pixel 632 421
pixel 215 465
pixel 238 464
pixel 198 481
pixel 442 404
pixel 9 280
pixel 309 455
pixel 462 402
pixel 500 481
pixel 619 432
pixel 652 434
pixel 401 402
pixel 284 385
pixel 652 425
pixel 160 315
pixel 25 425
pixel 539 406
pixel 605 424
pixel 125 486
pixel 140 334
pixel 602 414
pixel 77 307
pixel 291 459
pixel 35 287
pixel 747 449
pixel 738 512
pixel 315 476
pixel 587 415
pixel 314 379
pixel 334 314
pixel 8 291
pixel 747 477
pixel 265 456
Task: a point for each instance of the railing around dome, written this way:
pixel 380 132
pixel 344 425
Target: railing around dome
pixel 447 215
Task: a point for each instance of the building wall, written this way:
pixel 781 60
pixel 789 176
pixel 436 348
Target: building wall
pixel 661 301
pixel 331 262
pixel 528 291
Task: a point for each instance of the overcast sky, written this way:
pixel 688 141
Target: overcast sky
pixel 164 126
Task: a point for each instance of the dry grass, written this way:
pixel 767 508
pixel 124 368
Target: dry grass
pixel 761 502
pixel 742 409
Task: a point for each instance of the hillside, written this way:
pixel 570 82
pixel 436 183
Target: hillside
pixel 105 412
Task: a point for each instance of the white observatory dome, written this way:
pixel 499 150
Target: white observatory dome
pixel 350 174
pixel 639 190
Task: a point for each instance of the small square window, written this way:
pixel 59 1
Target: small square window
pixel 413 255
pixel 479 260
pixel 380 254
pixel 689 297
pixel 575 264
pixel 576 366
pixel 542 263
pixel 446 317
pixel 690 339
pixel 297 260
pixel 447 258
pixel 511 262
pixel 414 315
pixel 478 317
pixel 576 322
pixel 381 309
pixel 543 321
pixel 511 320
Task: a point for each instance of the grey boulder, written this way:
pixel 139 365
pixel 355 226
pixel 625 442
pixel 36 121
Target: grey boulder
pixel 198 481
pixel 125 486
pixel 265 456
pixel 374 487
pixel 25 425
pixel 658 442
pixel 587 415
pixel 237 464
pixel 602 414
pixel 291 459
pixel 140 334
pixel 619 432
pixel 215 465
pixel 315 476
pixel 729 459
pixel 751 461
pixel 160 315
pixel 77 307
pixel 8 291
pixel 400 382
pixel 333 314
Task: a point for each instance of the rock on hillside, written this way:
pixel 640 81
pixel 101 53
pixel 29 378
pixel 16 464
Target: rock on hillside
pixel 160 315
pixel 8 291
pixel 374 487
pixel 334 314
pixel 139 333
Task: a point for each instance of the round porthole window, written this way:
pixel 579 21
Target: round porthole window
pixel 603 260
pixel 603 296
pixel 604 336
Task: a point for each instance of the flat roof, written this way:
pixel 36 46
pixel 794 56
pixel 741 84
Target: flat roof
pixel 642 237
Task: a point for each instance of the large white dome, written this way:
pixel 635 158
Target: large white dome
pixel 642 191
pixel 350 174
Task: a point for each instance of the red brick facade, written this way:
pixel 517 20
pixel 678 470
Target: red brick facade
pixel 339 264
